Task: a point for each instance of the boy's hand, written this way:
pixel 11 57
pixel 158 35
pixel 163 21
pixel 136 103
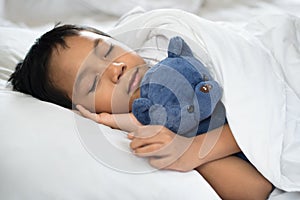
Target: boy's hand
pixel 165 149
pixel 126 122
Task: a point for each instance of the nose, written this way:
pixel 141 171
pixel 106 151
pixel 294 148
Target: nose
pixel 116 70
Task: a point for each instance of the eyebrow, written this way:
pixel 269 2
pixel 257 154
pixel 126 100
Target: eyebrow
pixel 96 43
pixel 83 73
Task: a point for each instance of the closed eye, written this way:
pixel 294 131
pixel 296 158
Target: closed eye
pixel 111 46
pixel 92 89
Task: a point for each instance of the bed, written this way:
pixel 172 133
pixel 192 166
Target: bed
pixel 48 152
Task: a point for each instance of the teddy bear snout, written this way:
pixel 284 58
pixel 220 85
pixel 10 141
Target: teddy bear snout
pixel 190 108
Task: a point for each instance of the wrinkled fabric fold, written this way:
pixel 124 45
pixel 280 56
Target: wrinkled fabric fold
pixel 255 64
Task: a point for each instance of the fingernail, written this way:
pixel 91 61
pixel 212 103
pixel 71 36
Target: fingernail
pixel 130 135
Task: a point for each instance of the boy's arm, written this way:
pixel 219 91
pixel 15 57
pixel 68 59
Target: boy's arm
pixel 167 150
pixel 233 178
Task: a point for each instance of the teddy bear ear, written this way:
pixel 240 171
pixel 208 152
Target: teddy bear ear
pixel 178 47
pixel 140 109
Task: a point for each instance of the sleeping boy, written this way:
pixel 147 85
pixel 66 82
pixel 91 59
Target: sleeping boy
pixel 82 67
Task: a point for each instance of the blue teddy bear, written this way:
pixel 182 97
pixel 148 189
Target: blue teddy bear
pixel 180 94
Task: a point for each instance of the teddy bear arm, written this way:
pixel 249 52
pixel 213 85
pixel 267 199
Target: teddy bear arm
pixel 140 109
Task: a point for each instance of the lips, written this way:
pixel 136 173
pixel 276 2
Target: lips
pixel 134 82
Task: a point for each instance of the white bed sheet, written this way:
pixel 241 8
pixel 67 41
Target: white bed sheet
pixel 268 139
pixel 69 152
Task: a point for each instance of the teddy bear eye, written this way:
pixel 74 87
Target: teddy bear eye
pixel 190 108
pixel 205 88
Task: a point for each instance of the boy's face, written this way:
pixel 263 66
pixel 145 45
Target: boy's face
pixel 97 72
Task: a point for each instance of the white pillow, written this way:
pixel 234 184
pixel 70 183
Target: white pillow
pixel 14 44
pixel 47 152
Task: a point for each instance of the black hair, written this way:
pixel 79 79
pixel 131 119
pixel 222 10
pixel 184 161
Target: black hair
pixel 31 74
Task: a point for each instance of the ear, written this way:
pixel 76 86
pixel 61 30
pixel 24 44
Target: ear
pixel 178 47
pixel 140 109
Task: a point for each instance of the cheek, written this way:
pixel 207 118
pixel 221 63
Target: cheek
pixel 102 100
pixel 82 99
pixel 111 99
pixel 120 100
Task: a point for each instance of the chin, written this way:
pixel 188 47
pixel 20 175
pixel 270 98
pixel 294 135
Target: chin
pixel 134 96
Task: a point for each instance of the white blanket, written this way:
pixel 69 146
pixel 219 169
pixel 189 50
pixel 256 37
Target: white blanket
pixel 256 64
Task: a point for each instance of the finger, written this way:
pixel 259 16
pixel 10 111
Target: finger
pixel 149 150
pixel 86 113
pixel 107 119
pixel 147 131
pixel 127 121
pixel 146 135
pixel 139 143
pixel 130 136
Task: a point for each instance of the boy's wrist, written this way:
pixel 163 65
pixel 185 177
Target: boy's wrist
pixel 216 144
pixel 195 151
